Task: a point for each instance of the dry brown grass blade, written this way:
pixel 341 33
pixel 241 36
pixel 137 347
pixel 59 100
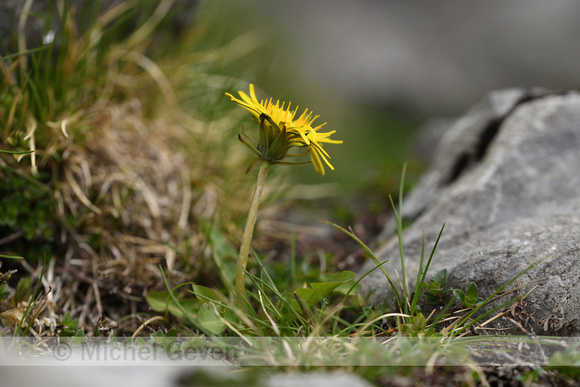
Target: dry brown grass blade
pixel 145 324
pixel 79 192
pixel 31 126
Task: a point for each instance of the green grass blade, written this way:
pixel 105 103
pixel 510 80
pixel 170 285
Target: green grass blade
pixel 400 237
pixel 263 269
pixel 419 276
pixel 33 300
pixel 10 256
pixel 259 284
pixel 363 276
pixel 283 299
pixel 180 307
pixel 31 51
pixel 16 152
pixel 371 255
pixel 423 273
pixel 432 253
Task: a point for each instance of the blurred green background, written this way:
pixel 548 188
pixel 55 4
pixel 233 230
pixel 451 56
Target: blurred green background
pixel 377 135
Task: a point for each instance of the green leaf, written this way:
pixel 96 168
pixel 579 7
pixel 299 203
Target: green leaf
pixel 205 294
pixel 459 295
pixel 70 327
pixel 440 279
pixel 160 301
pixel 341 277
pixel 319 290
pixel 23 290
pixel 416 326
pixel 230 316
pixel 190 305
pixel 224 254
pixel 171 333
pixel 344 289
pixel 208 319
pixel 471 293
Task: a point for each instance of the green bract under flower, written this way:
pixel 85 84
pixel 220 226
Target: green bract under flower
pixel 280 130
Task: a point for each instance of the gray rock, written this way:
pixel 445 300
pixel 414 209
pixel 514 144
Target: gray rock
pixel 505 182
pixel 464 146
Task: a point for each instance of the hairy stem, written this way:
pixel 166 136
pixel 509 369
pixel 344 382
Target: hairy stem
pixel 248 232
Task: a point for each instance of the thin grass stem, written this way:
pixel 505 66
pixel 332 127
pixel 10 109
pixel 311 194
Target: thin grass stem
pixel 400 236
pixel 423 272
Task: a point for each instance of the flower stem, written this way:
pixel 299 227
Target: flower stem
pixel 247 236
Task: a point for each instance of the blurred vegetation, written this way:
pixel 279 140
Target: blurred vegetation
pixel 136 167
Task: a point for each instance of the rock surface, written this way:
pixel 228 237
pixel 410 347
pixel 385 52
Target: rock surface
pixel 505 182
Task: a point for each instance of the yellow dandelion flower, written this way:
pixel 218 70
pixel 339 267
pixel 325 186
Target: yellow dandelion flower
pixel 280 131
